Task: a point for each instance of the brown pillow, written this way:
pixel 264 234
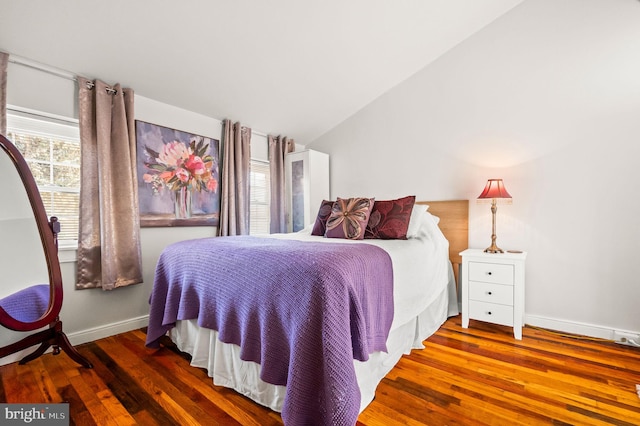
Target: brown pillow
pixel 320 226
pixel 389 219
pixel 349 218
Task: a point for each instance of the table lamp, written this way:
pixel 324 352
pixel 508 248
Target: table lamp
pixel 495 189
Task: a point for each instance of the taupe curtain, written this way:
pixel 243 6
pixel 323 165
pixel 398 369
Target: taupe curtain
pixel 109 238
pixel 234 203
pixel 4 59
pixel 278 148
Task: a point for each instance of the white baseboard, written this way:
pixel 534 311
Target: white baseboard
pixel 91 334
pixel 573 327
pixel 88 335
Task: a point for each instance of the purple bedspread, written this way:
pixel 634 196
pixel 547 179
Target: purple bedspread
pixel 303 310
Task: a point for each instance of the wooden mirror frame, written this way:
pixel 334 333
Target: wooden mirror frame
pixel 53 336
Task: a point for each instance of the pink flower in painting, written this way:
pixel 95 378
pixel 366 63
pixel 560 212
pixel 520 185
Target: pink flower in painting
pixel 167 175
pixel 182 175
pixel 195 165
pixel 212 185
pixel 173 153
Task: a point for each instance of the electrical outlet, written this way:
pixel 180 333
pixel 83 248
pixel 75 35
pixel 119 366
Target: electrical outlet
pixel 625 338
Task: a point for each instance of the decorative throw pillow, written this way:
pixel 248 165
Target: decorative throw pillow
pixel 349 218
pixel 389 220
pixel 320 226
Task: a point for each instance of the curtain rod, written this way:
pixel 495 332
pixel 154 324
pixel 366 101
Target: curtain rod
pixel 41 67
pixel 68 76
pixel 28 63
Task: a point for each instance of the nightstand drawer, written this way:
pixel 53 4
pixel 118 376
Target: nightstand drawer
pixel 491 273
pixel 491 312
pixel 491 293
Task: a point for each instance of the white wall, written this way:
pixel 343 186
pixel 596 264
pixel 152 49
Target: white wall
pixel 91 314
pixel 548 98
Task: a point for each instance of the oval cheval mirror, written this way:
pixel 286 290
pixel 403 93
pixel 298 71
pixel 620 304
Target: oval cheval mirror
pixel 30 276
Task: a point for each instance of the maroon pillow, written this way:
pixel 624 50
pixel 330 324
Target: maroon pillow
pixel 349 217
pixel 320 226
pixel 389 220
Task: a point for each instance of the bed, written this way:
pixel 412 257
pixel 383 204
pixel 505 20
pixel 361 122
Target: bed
pixel 319 359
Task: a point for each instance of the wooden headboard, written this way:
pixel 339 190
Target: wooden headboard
pixel 454 223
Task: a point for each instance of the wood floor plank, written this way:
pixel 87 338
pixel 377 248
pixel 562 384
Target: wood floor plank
pixel 43 381
pixel 15 391
pixel 555 395
pixel 457 384
pixel 133 398
pixel 192 380
pixel 173 400
pixel 419 402
pixel 475 376
pixel 181 378
pixel 145 418
pixel 97 397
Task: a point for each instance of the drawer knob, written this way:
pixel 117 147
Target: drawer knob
pixel 489 313
pixel 489 293
pixel 489 273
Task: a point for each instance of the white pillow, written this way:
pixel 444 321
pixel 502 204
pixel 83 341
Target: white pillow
pixel 415 220
pixel 429 226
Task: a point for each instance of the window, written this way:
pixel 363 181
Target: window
pixel 51 147
pixel 259 199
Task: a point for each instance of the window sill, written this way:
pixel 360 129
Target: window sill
pixel 68 252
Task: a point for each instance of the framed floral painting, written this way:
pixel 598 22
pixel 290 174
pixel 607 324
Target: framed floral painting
pixel 178 177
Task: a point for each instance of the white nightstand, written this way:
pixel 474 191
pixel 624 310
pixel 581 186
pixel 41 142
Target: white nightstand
pixel 493 288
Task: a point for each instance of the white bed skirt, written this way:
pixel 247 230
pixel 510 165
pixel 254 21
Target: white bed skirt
pixel 222 360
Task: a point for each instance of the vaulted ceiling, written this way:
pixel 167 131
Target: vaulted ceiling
pixel 291 67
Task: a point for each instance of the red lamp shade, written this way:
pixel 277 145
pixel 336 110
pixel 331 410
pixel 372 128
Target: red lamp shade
pixel 494 189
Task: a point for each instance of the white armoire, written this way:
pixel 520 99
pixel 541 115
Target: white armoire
pixel 306 185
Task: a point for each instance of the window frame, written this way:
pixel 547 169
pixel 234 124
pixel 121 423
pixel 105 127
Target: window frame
pixel 264 165
pixel 46 125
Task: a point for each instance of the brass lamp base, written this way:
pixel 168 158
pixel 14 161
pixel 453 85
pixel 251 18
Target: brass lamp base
pixel 493 249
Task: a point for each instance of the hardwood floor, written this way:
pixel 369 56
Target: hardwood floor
pixel 479 375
